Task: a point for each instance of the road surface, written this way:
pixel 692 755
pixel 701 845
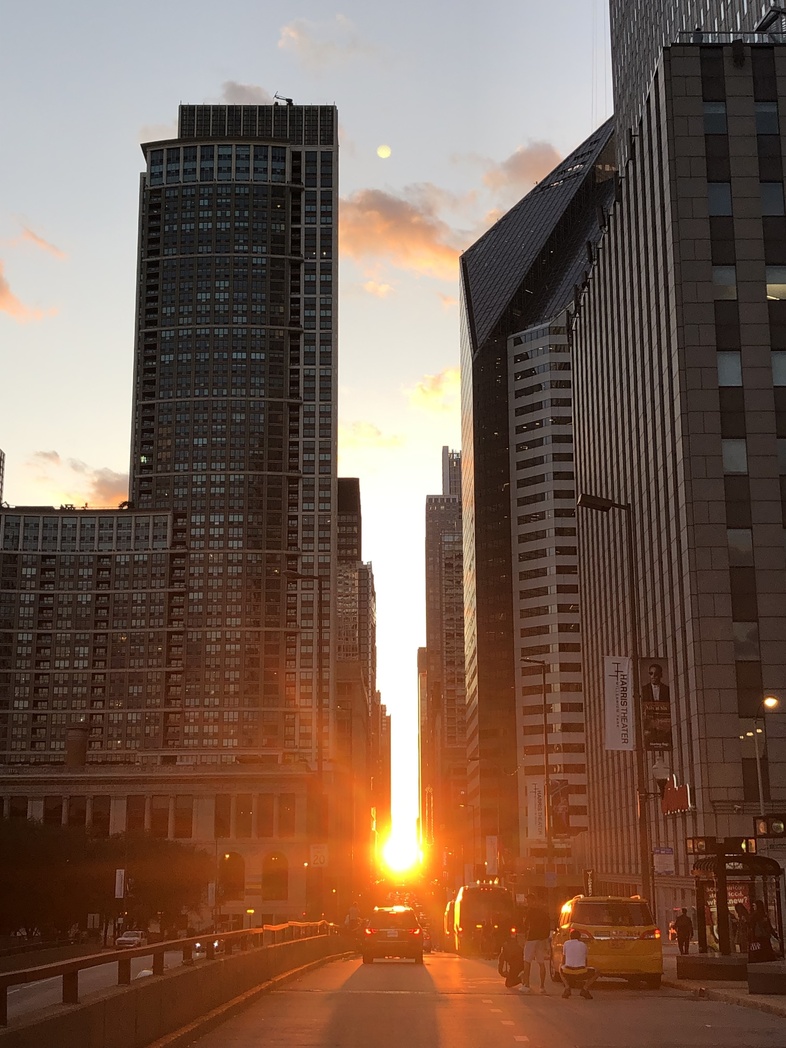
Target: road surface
pixel 453 1002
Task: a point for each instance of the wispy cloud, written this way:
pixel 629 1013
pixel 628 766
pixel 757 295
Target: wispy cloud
pixel 14 307
pixel 520 171
pixel 437 393
pixel 323 45
pixel 375 225
pixel 378 290
pixel 78 482
pixel 448 301
pixel 235 94
pixel 28 236
pixel 366 435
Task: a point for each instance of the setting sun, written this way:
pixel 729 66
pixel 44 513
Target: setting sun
pixel 400 853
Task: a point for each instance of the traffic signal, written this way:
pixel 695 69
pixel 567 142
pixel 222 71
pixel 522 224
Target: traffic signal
pixel 771 826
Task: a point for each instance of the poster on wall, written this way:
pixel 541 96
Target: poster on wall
pixel 656 700
pixel 618 694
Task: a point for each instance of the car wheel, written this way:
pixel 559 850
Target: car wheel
pixel 555 975
pixel 367 959
pixel 418 958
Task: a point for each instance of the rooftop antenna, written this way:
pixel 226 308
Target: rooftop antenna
pixel 283 98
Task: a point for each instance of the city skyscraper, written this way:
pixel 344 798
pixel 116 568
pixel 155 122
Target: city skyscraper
pixel 170 665
pixel 444 745
pixel 520 589
pixel 234 409
pixel 679 346
pixel 640 29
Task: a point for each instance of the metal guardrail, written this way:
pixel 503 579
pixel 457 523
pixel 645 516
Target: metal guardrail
pixel 229 942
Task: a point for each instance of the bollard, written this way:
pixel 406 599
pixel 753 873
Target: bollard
pixel 71 987
pixel 124 972
pixel 158 962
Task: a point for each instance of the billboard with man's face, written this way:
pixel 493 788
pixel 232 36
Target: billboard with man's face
pixel 656 699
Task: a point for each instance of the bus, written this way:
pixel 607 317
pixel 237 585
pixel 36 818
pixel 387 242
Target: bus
pixel 483 915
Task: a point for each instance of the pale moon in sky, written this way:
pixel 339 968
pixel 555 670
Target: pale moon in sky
pixel 383 152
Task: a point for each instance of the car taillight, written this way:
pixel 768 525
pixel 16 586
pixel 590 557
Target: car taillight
pixel 653 933
pixel 369 931
pixel 414 931
pixel 587 936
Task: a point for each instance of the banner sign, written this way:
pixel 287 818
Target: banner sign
pixel 655 704
pixel 559 807
pixel 618 692
pixel 536 814
pixel 492 864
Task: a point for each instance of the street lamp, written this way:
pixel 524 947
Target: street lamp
pixel 603 505
pixel 769 702
pixel 473 809
pixel 546 784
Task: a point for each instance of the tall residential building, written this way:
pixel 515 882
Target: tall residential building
pixel 234 414
pixel 520 581
pixel 444 772
pixel 640 29
pixel 193 628
pixel 680 372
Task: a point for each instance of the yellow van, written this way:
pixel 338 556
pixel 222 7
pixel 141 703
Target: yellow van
pixel 622 939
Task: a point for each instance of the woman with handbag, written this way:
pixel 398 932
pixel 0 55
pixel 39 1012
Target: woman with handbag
pixel 761 935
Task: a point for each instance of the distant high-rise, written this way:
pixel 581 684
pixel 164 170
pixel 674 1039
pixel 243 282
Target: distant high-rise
pixel 444 749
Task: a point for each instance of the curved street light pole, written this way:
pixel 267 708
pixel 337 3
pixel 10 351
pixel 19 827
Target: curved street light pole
pixel 546 777
pixel 769 702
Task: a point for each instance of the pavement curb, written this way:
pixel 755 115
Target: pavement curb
pixel 728 998
pixel 205 1023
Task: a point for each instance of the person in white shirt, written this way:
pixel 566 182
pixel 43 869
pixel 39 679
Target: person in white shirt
pixel 575 973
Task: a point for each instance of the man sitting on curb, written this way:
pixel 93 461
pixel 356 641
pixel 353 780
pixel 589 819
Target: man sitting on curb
pixel 574 971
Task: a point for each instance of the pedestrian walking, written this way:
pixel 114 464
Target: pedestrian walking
pixel 537 929
pixel 761 935
pixel 575 972
pixel 683 926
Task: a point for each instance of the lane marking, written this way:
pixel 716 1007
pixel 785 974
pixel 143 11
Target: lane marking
pixel 521 1038
pixel 507 1022
pixel 495 1011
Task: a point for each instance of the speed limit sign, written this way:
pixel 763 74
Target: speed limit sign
pixel 319 855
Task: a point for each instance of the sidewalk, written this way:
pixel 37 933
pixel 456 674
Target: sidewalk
pixel 730 992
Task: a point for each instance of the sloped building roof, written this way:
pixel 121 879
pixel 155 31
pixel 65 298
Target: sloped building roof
pixel 496 268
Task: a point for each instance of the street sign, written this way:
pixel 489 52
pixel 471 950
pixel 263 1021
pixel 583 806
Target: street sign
pixel 319 855
pixel 663 861
pixel 120 884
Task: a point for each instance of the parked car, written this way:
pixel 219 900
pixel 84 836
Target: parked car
pixel 622 939
pixel 129 940
pixel 393 931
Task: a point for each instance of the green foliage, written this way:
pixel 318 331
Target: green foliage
pixel 51 877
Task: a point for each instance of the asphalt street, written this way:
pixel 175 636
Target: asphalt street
pixel 453 1002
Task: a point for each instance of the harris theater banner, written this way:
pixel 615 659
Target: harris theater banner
pixel 620 726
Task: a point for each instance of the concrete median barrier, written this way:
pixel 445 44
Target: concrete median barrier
pixel 149 1009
